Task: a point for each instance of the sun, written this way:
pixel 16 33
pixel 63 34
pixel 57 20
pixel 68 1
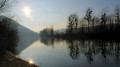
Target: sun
pixel 31 62
pixel 27 11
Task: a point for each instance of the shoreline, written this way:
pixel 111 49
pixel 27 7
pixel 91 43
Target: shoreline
pixel 86 36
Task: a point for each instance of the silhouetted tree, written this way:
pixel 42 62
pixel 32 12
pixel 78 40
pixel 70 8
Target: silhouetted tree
pixel 93 24
pixel 72 23
pixel 52 30
pixel 117 16
pixel 96 26
pixel 47 31
pixel 82 25
pixel 103 21
pixel 88 16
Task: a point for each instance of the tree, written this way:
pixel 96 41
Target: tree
pixel 5 5
pixel 93 24
pixel 8 34
pixel 117 16
pixel 110 19
pixel 88 16
pixel 52 30
pixel 103 21
pixel 73 22
pixel 82 25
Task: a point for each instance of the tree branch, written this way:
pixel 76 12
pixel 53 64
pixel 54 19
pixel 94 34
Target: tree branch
pixel 3 4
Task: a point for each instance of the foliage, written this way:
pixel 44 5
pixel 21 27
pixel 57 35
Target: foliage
pixel 8 34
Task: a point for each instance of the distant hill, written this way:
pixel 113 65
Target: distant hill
pixel 25 32
pixel 26 36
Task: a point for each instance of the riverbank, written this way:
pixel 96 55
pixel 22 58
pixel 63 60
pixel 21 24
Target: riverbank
pixel 109 35
pixel 9 60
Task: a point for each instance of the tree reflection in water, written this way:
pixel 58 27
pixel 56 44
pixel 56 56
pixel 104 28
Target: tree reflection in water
pixel 90 48
pixel 73 49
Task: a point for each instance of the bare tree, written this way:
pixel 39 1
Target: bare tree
pixel 73 22
pixel 103 21
pixel 5 5
pixel 82 25
pixel 117 16
pixel 88 16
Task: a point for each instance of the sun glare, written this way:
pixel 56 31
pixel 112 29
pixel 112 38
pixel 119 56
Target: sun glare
pixel 31 62
pixel 27 11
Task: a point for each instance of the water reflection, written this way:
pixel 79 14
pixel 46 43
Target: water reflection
pixel 47 40
pixel 31 62
pixel 90 48
pixel 26 41
pixel 73 49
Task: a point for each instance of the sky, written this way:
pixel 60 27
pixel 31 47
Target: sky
pixel 47 13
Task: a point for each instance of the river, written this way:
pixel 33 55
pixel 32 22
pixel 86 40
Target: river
pixel 51 52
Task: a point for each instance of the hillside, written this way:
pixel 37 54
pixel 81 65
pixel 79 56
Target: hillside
pixel 26 37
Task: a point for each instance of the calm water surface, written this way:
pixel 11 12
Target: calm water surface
pixel 50 52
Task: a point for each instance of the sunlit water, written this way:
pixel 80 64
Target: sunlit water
pixel 49 52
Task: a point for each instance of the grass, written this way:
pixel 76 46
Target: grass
pixel 9 60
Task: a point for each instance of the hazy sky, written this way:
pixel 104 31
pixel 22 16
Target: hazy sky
pixel 55 12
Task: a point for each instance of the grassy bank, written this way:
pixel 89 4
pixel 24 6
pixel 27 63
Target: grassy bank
pixel 9 60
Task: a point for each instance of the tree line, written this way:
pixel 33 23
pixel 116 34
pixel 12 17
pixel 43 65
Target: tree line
pixel 93 24
pixel 47 32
